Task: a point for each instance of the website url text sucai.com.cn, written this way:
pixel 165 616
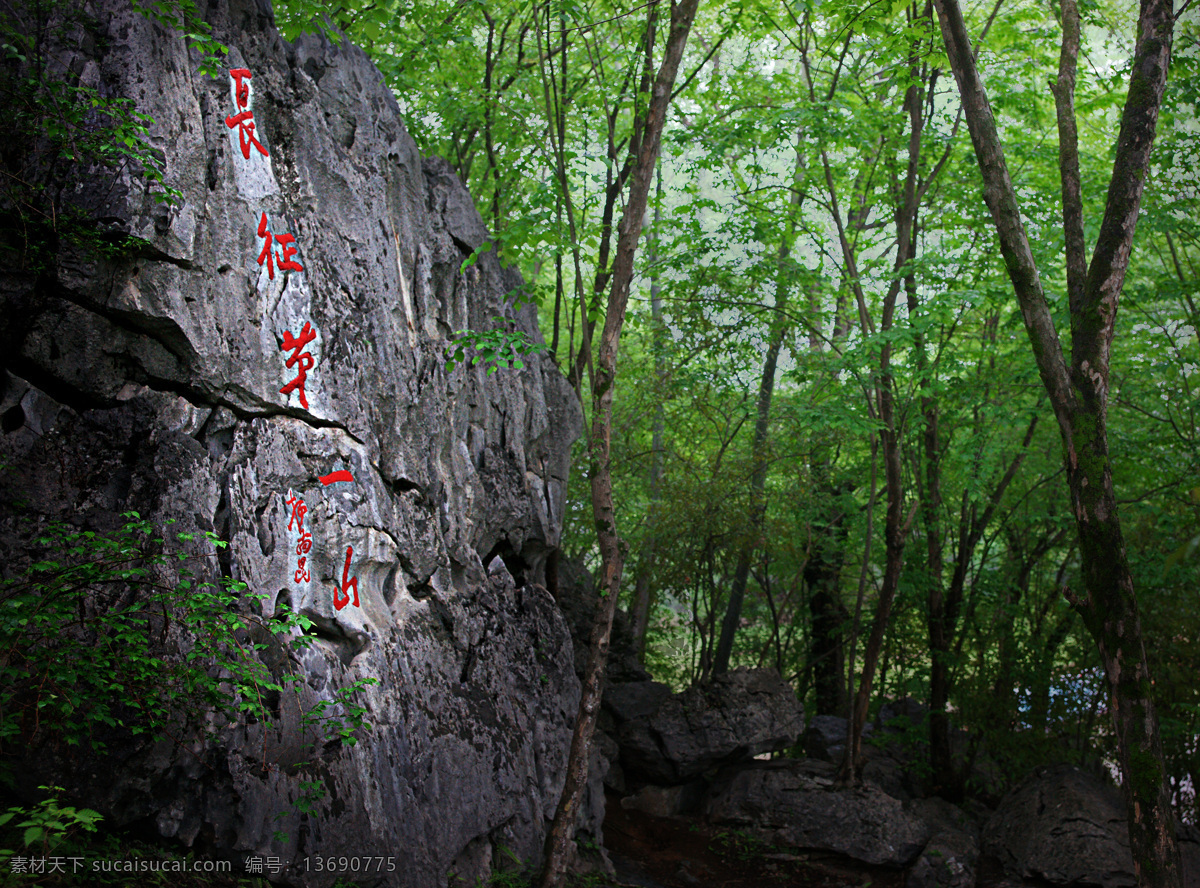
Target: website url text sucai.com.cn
pixel 68 865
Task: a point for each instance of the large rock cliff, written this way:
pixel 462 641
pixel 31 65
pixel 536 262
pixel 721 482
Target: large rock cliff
pixel 152 381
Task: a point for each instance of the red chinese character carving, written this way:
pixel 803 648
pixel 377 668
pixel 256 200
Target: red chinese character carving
pixel 244 120
pixel 352 583
pixel 242 89
pixel 304 546
pixel 304 360
pixel 265 233
pixel 298 511
pixel 334 477
pixel 285 260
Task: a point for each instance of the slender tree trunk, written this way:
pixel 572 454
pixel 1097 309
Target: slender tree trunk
pixel 561 123
pixel 893 562
pixel 641 586
pixel 555 101
pixel 762 424
pixel 1002 701
pixel 895 527
pixel 943 619
pixel 1079 392
pixel 856 623
pixel 822 576
pixel 613 188
pixel 560 844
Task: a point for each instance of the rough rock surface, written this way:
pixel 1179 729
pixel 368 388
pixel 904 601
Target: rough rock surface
pixel 825 738
pixel 896 752
pixel 668 739
pixel 796 803
pixel 1063 826
pixel 152 382
pixel 577 599
pixel 575 593
pixel 949 859
pixel 667 801
pixel 887 757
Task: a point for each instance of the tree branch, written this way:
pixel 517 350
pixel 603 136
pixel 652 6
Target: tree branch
pixel 1001 199
pixel 1068 154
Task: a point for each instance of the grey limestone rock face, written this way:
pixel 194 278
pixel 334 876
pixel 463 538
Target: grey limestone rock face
pixel 153 382
pixel 797 803
pixel 669 739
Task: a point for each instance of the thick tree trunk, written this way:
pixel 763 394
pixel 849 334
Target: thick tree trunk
pixel 1079 393
pixel 560 841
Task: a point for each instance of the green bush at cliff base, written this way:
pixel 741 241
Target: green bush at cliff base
pixel 111 634
pixel 100 639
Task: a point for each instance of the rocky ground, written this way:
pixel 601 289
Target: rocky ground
pixel 666 852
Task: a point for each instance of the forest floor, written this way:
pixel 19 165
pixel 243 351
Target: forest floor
pixel 647 852
pixel 680 852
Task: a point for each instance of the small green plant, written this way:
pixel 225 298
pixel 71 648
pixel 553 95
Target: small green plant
pixel 496 348
pixel 341 716
pixel 184 17
pixel 48 823
pixel 909 737
pixel 111 632
pixel 587 842
pixel 311 792
pixel 111 635
pixel 740 845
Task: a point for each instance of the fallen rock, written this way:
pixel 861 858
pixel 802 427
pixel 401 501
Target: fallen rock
pixel 949 859
pixel 1063 826
pixel 1189 850
pixel 666 801
pixel 797 803
pixel 669 739
pixel 825 738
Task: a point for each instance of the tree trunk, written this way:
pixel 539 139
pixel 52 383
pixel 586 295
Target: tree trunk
pixel 762 422
pixel 895 527
pixel 1079 393
pixel 758 480
pixel 560 841
pixel 822 576
pixel 893 562
pixel 641 586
